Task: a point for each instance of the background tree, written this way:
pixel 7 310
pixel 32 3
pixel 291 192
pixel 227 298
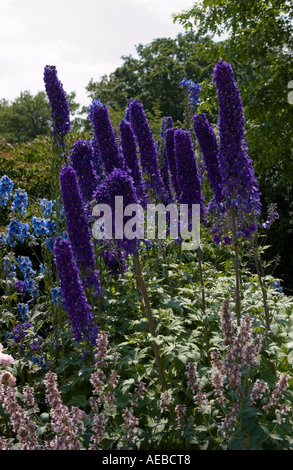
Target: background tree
pixel 155 75
pixel 29 116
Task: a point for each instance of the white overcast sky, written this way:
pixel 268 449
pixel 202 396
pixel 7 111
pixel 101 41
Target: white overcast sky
pixel 82 38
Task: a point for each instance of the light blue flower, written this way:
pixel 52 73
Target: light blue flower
pixel 6 187
pixel 20 201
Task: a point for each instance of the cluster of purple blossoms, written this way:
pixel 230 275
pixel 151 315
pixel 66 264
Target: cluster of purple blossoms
pixel 129 149
pixel 74 297
pixel 96 157
pixel 171 158
pixel 209 148
pixel 106 137
pixel 187 172
pixel 147 148
pixel 167 123
pixel 239 185
pixel 58 102
pixel 82 162
pixel 118 183
pixel 78 226
pixel 114 260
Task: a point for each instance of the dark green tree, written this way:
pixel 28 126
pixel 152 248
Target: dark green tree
pixel 25 117
pixel 155 75
pixel 28 116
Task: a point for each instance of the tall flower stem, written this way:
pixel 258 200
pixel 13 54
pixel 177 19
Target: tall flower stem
pixel 261 282
pixel 203 301
pixel 237 266
pixel 142 286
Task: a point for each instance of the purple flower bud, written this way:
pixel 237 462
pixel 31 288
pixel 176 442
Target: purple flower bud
pixel 209 147
pixel 77 225
pixel 81 157
pixel 188 179
pixel 129 150
pixel 238 179
pixel 58 101
pixel 75 300
pixel 170 155
pixel 106 138
pixel 167 123
pixel 147 147
pixel 118 183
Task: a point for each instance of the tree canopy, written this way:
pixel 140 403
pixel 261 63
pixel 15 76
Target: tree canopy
pixel 28 116
pixel 154 77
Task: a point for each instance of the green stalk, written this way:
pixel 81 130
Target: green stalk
pixel 203 302
pixel 141 284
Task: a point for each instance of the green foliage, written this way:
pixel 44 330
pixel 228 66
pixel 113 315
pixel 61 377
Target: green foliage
pixel 259 45
pixel 28 117
pixel 25 118
pixel 155 76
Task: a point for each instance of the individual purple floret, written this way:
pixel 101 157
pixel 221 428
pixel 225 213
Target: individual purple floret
pixel 147 147
pixel 77 225
pixel 129 150
pixel 58 102
pixel 240 187
pixel 209 147
pixel 82 162
pixel 110 152
pixel 118 183
pixel 75 301
pixel 188 179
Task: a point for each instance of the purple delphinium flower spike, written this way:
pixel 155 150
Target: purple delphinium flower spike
pixel 170 155
pixel 78 226
pixel 58 102
pixel 97 159
pixel 147 147
pixel 209 147
pixel 74 297
pixel 110 152
pixel 118 183
pixel 129 150
pixel 81 157
pixel 167 123
pixel 187 171
pixel 240 188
